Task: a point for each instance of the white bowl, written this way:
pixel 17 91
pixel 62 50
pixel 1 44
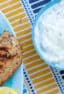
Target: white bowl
pixel 35 35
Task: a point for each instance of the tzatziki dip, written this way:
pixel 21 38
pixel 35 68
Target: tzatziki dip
pixel 49 34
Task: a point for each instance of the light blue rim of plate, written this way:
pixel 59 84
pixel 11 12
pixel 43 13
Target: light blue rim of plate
pixel 50 4
pixel 8 24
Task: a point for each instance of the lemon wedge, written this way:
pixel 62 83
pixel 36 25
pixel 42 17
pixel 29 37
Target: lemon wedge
pixel 7 90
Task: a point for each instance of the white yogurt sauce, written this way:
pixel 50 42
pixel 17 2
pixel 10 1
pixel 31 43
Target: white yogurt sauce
pixel 50 33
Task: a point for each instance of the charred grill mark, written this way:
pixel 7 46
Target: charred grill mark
pixel 1 66
pixel 3 48
pixel 5 57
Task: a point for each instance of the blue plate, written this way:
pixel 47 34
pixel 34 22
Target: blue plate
pixel 36 43
pixel 16 80
pixel 4 24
